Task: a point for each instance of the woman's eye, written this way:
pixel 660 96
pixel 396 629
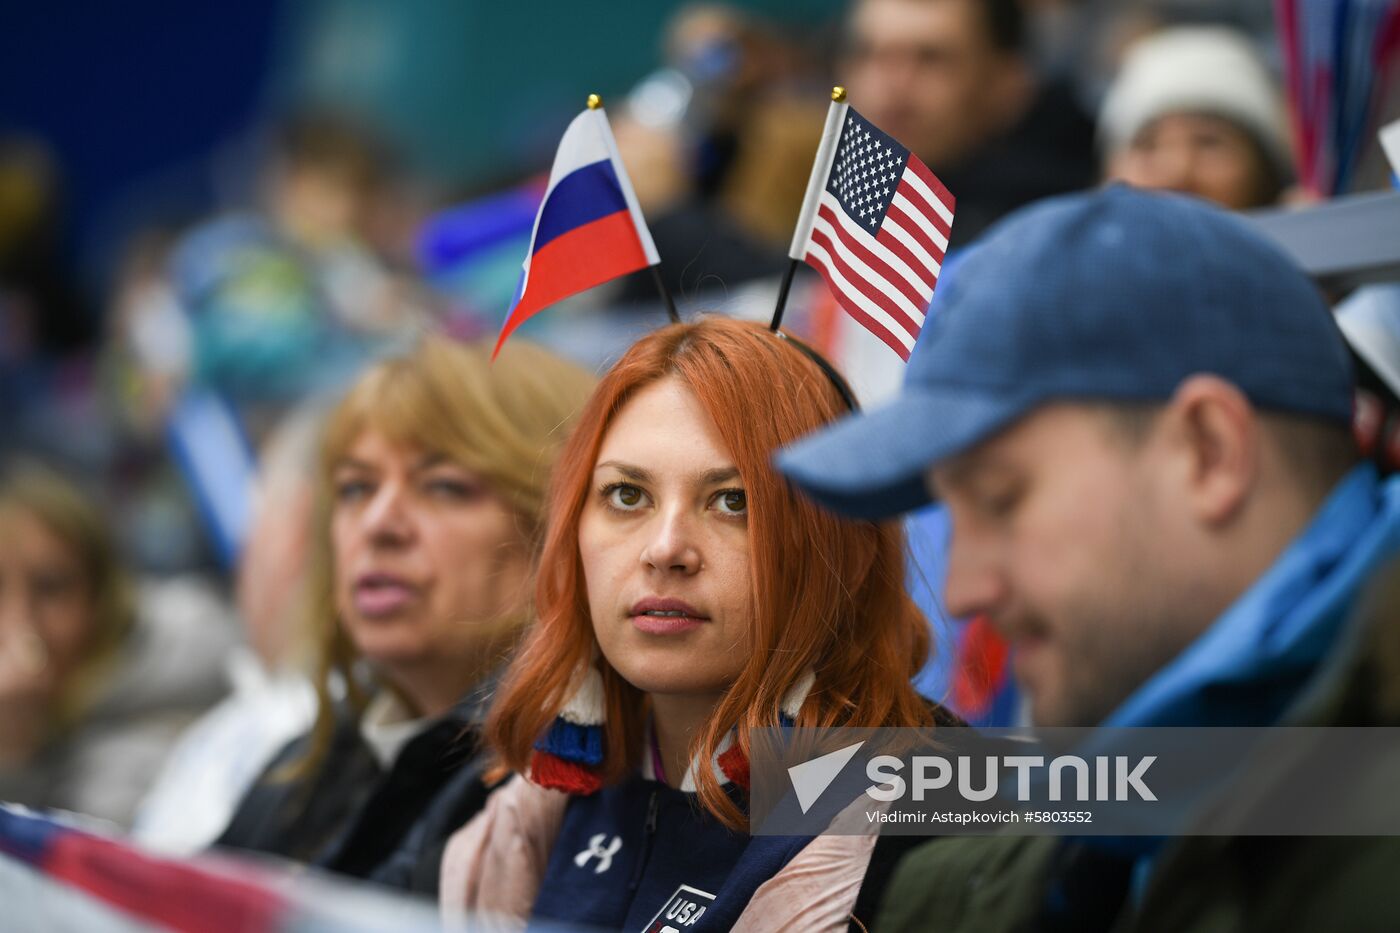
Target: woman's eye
pixel 450 488
pixel 732 501
pixel 624 496
pixel 352 490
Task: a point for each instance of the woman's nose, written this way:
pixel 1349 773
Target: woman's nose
pixel 671 545
pixel 388 518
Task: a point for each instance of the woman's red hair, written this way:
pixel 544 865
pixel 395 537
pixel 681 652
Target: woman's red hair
pixel 828 594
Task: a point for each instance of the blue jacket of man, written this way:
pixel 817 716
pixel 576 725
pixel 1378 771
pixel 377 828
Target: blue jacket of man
pixel 1258 664
pixel 1257 657
pixel 1262 653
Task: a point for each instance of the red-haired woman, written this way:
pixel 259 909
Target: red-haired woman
pixel 686 596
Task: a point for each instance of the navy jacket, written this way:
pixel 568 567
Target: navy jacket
pixel 640 855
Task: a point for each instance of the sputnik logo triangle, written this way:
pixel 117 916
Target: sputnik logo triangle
pixel 811 778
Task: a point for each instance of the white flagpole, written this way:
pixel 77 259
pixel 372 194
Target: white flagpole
pixel 821 170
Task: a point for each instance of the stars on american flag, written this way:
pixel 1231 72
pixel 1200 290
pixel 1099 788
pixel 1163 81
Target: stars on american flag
pixel 866 171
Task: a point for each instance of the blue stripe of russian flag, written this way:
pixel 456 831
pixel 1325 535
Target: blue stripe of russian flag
pixel 582 196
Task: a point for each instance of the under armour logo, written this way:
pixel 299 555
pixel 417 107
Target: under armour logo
pixel 604 853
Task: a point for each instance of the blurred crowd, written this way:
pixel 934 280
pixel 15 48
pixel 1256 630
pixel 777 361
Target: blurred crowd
pixel 337 250
pixel 196 444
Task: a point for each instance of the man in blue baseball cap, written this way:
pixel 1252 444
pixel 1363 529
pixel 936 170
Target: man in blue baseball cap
pixel 1137 412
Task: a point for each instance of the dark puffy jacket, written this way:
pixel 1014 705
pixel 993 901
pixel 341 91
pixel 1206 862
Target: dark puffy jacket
pixel 356 818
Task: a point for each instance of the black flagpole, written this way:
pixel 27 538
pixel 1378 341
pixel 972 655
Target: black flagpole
pixel 665 294
pixel 783 295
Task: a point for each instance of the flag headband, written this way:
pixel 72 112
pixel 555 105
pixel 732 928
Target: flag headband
pixel 590 228
pixel 874 223
pixel 838 381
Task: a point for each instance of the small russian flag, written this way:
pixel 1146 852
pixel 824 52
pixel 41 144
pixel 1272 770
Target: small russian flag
pixel 589 228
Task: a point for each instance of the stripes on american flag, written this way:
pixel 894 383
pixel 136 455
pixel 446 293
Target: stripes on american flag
pixel 879 232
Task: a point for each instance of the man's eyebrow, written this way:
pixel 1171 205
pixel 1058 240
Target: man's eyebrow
pixel 626 469
pixel 958 472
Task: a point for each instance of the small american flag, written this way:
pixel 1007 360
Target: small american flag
pixel 875 224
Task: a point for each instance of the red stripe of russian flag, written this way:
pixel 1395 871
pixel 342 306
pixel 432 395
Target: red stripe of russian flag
pixel 586 256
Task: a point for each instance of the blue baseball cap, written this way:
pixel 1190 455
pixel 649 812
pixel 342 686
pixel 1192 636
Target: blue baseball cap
pixel 1116 294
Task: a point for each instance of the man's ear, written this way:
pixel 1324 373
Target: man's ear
pixel 1215 429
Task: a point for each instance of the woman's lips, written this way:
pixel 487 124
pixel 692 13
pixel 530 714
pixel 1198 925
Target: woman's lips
pixel 666 625
pixel 661 616
pixel 377 596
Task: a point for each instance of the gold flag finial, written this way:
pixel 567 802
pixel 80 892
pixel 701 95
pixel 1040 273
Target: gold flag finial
pixel 594 101
pixel 838 94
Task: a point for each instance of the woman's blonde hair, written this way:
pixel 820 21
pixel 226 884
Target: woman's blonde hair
pixel 504 421
pixel 27 487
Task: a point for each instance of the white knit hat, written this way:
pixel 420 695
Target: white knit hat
pixel 1207 69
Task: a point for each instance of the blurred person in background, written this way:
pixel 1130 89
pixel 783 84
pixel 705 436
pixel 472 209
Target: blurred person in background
pixel 291 296
pixel 952 80
pixel 1194 109
pixel 958 83
pixel 285 296
pixel 97 675
pixel 218 758
pixel 431 485
pixel 710 139
pixel 148 351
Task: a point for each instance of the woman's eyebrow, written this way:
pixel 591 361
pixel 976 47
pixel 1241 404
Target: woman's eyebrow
pixel 432 460
pixel 719 475
pixel 350 463
pixel 642 475
pixel 626 469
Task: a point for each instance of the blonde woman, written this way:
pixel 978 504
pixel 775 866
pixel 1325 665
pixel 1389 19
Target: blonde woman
pixel 432 483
